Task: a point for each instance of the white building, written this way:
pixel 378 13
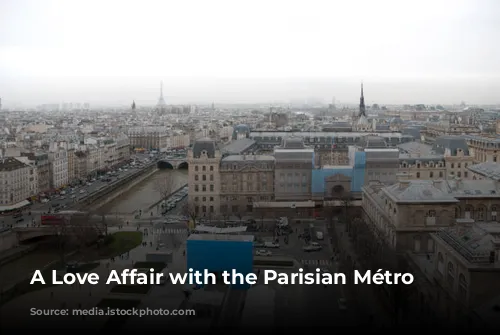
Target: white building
pixel 58 158
pixel 15 181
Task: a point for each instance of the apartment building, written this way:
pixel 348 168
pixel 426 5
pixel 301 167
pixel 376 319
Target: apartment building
pixel 58 158
pixel 447 158
pixel 204 178
pixel 16 183
pixel 245 180
pixel 150 138
pixel 42 164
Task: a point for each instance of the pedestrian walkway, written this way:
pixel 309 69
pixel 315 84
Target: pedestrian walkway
pixel 322 262
pixel 372 305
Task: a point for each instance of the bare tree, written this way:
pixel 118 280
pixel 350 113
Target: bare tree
pixel 165 186
pixel 190 211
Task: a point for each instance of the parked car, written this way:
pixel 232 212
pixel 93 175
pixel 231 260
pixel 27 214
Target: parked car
pixel 263 253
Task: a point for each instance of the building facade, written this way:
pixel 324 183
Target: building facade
pixel 244 180
pixel 204 179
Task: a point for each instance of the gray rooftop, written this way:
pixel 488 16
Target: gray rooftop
pixel 473 242
pixel 371 141
pixel 293 143
pixel 204 145
pixel 416 148
pixel 238 146
pixel 249 158
pixel 453 143
pixel 221 237
pixel 490 170
pixel 421 191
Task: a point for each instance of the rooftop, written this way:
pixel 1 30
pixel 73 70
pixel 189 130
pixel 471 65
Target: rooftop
pixel 490 170
pixel 11 164
pixel 221 237
pixel 238 146
pixel 239 158
pixel 421 191
pixel 473 242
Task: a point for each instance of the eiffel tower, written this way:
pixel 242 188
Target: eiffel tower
pixel 161 106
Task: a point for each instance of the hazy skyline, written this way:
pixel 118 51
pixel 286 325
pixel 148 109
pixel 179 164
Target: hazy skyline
pixel 110 52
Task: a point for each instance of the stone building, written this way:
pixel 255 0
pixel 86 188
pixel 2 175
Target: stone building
pixel 16 179
pixel 149 138
pixel 484 149
pixel 204 178
pixel 449 157
pixel 402 215
pixel 293 170
pixel 244 180
pixel 458 284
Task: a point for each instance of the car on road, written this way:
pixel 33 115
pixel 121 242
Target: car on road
pixel 271 245
pixel 342 304
pixel 311 248
pixel 19 220
pixel 258 245
pixel 263 253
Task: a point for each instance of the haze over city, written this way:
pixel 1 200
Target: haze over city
pixel 249 51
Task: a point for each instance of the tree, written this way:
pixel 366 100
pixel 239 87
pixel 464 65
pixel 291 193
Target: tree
pixel 164 185
pixel 190 211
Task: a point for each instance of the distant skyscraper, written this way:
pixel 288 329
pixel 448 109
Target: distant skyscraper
pixel 133 105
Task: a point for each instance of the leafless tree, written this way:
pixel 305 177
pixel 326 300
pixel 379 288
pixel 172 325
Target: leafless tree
pixel 165 186
pixel 189 210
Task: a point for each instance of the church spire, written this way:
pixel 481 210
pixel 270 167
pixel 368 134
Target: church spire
pixel 362 108
pixel 133 105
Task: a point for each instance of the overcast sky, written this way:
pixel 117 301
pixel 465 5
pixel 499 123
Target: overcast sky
pixel 109 51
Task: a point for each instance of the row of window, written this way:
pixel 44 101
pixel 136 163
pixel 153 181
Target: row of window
pixel 450 277
pixel 204 188
pixel 204 168
pixel 203 177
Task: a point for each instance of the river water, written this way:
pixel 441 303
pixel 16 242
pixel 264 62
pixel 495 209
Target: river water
pixel 145 193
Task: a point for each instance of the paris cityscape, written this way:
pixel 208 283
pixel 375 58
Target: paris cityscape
pixel 118 164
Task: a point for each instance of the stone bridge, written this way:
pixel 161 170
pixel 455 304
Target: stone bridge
pixel 173 163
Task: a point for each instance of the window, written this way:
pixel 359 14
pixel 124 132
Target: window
pixel 204 198
pixel 431 174
pixel 204 209
pixel 196 177
pixel 211 168
pixel 211 198
pixel 416 243
pixel 196 168
pixel 451 274
pixel 462 287
pixel 211 188
pixel 493 213
pixel 211 209
pixel 469 212
pixel 196 189
pixel 440 174
pixel 440 263
pixel 430 218
pixel 204 168
pixel 204 188
pixel 430 244
pixel 418 174
pixel 204 178
pixel 466 174
pixel 211 177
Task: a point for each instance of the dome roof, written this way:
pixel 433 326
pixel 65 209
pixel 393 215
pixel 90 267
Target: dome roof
pixel 242 128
